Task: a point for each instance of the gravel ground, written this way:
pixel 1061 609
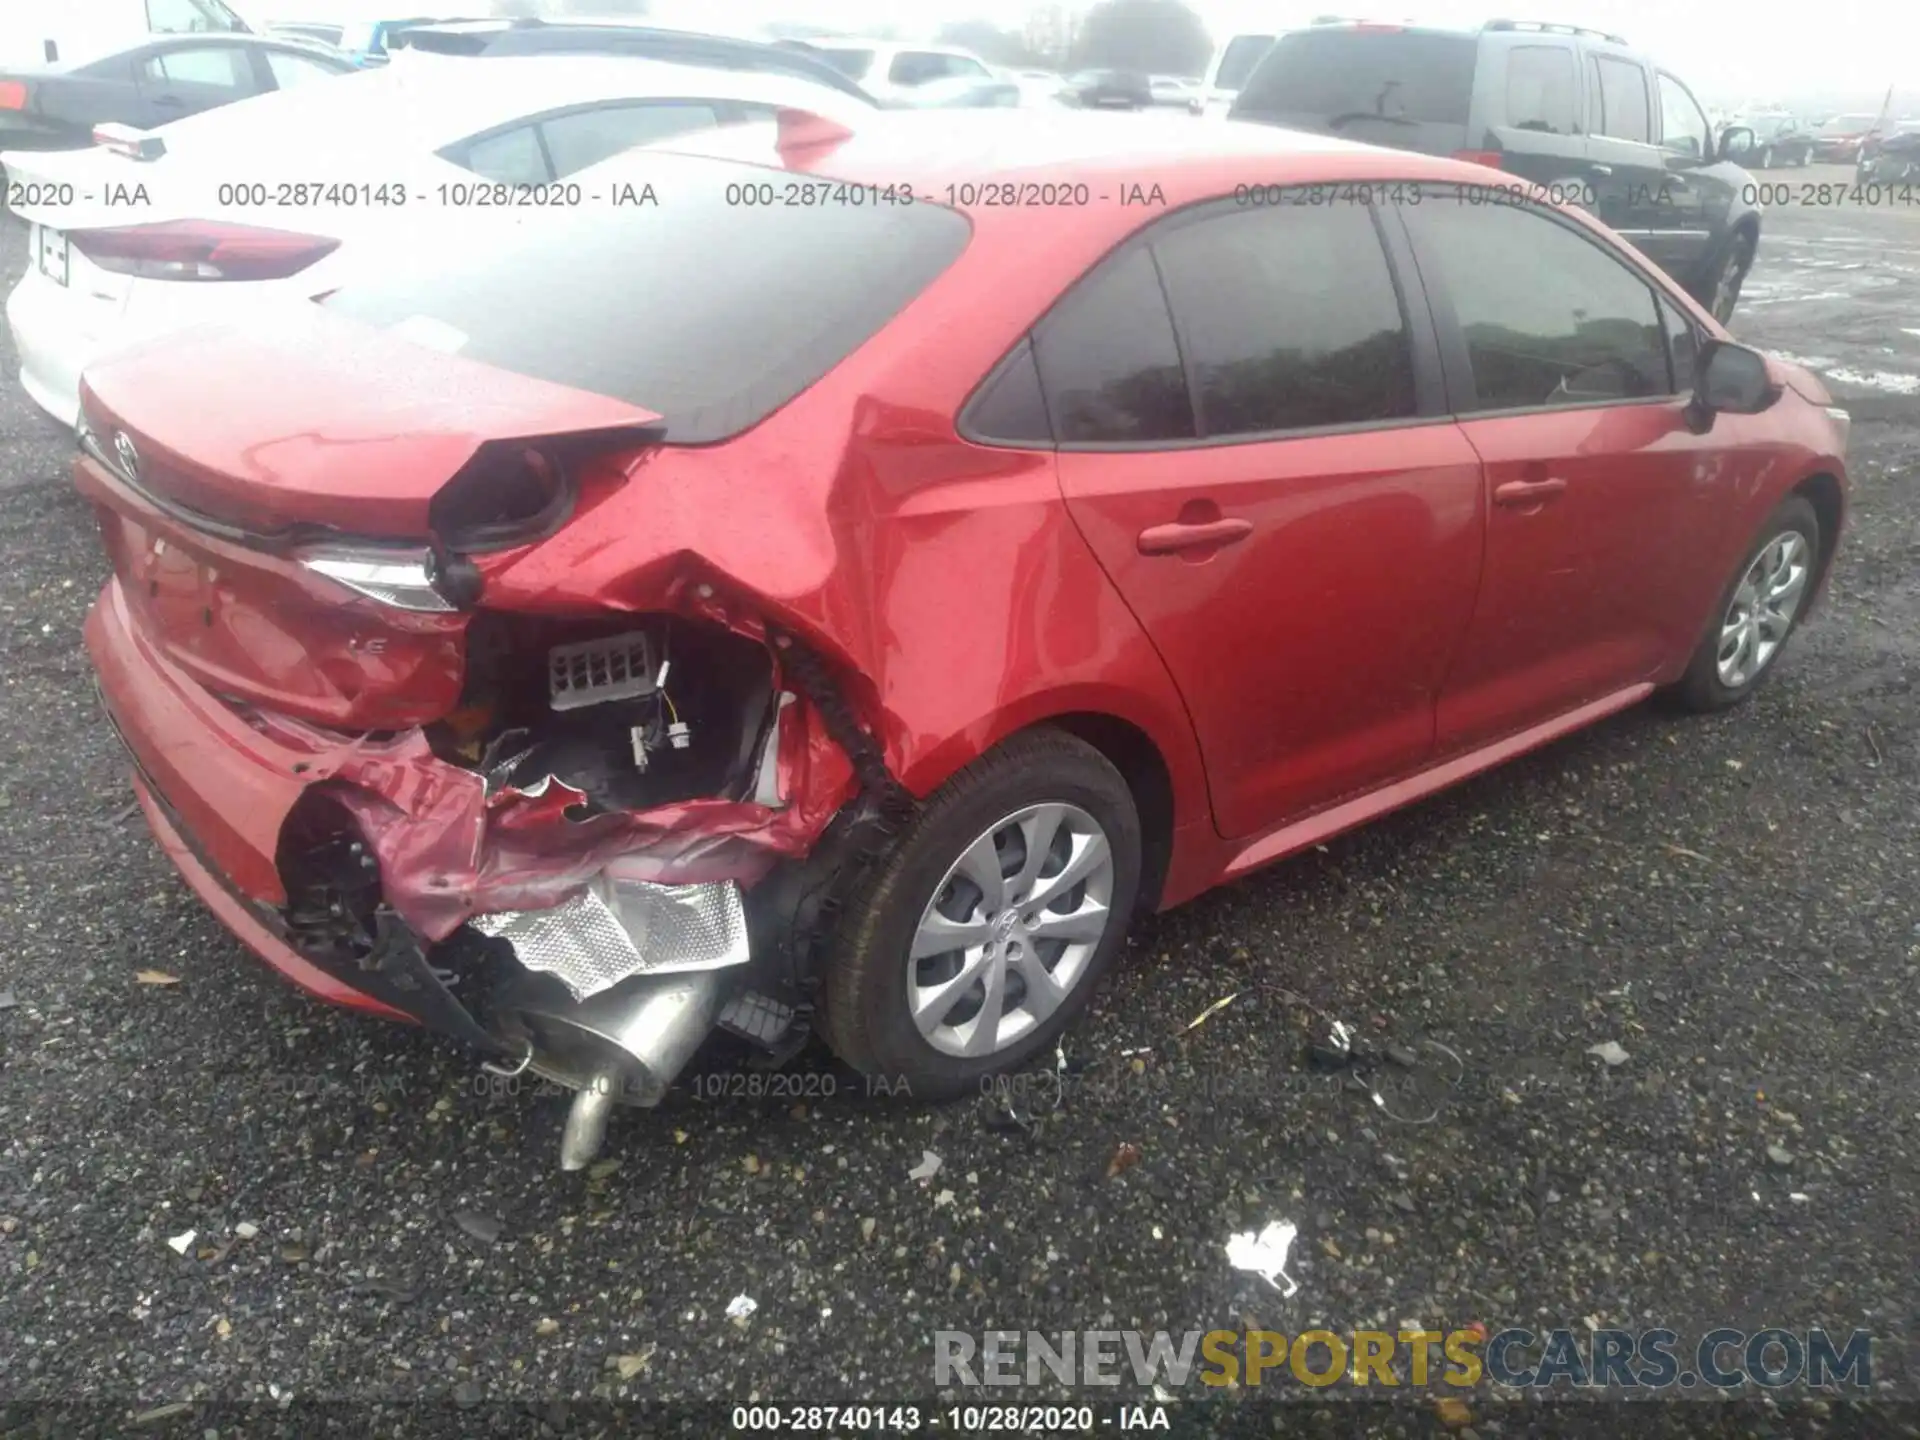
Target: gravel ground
pixel 1730 900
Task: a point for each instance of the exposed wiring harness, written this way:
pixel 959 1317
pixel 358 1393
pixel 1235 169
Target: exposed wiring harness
pixel 878 782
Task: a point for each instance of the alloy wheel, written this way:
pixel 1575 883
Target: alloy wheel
pixel 1010 930
pixel 1763 609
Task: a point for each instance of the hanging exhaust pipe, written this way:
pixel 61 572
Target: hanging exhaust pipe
pixel 624 1046
pixel 618 988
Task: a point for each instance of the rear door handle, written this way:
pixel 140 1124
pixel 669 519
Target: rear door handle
pixel 1527 492
pixel 1208 534
pixel 1602 171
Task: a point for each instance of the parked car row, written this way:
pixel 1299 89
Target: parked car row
pixel 1839 141
pixel 1579 112
pixel 221 229
pixel 160 80
pixel 1779 138
pixel 580 627
pixel 1891 156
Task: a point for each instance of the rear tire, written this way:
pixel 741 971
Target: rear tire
pixel 1757 613
pixel 1043 808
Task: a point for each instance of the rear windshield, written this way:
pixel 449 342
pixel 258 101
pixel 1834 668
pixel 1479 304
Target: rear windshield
pixel 1243 52
pixel 1413 75
pixel 853 64
pixel 707 311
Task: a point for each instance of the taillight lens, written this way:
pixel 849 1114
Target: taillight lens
pixel 13 95
pixel 503 495
pixel 1489 158
pixel 201 250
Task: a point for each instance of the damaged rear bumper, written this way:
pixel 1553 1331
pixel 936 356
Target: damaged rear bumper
pixel 596 948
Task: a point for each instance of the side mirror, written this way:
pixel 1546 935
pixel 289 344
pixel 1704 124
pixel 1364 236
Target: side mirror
pixel 1730 378
pixel 1735 141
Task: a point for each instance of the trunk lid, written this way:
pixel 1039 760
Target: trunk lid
pixel 77 189
pixel 221 463
pixel 310 421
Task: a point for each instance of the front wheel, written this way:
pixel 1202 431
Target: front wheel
pixel 1757 612
pixel 982 935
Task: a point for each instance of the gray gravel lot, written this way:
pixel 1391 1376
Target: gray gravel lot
pixel 1733 901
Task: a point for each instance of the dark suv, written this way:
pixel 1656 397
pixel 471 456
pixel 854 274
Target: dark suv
pixel 1577 111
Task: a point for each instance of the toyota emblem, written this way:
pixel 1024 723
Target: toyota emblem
pixel 128 456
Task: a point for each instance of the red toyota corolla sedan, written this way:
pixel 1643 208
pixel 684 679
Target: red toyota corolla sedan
pixel 838 581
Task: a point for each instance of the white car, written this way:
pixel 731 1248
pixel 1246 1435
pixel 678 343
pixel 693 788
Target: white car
pixel 888 71
pixel 1173 90
pixel 1231 65
pixel 287 194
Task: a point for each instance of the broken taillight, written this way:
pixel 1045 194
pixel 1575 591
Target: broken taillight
pixel 505 495
pixel 201 250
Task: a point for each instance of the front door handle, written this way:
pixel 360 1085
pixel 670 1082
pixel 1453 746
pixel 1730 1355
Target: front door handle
pixel 1527 492
pixel 1203 535
pixel 1601 171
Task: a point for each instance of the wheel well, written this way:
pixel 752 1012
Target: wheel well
pixel 1132 752
pixel 1823 493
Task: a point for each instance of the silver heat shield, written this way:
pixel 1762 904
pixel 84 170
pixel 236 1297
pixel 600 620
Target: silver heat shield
pixel 620 928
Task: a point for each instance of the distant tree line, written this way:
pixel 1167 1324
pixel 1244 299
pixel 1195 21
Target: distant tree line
pixel 1154 37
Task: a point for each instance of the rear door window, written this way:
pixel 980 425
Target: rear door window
pixel 290 69
pixel 1547 316
pixel 1109 365
pixel 709 314
pixel 1624 110
pixel 586 137
pixel 1010 408
pixel 854 64
pixel 917 67
pixel 1540 88
pixel 217 67
pixel 1243 52
pixel 508 157
pixel 1337 72
pixel 1288 319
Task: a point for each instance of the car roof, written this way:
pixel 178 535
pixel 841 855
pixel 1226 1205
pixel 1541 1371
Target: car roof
pixel 443 99
pixel 670 43
pixel 933 149
pixel 856 42
pixel 271 40
pixel 99 67
pixel 1523 28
